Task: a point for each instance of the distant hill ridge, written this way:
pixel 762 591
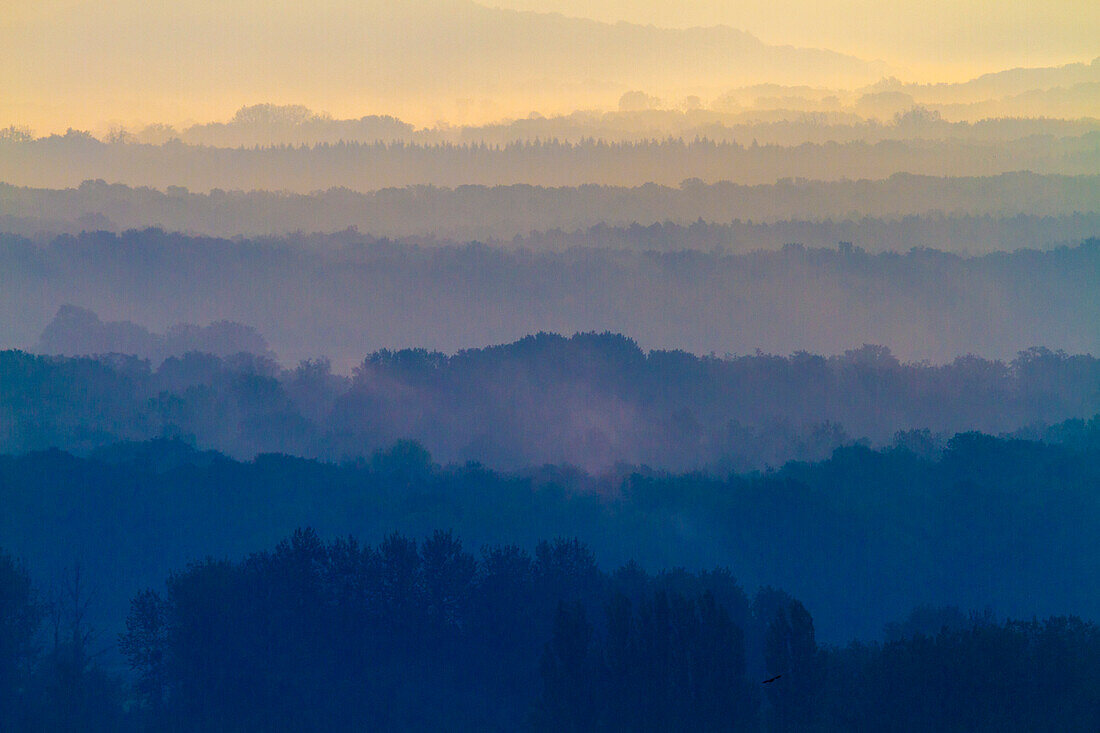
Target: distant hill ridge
pixel 398 53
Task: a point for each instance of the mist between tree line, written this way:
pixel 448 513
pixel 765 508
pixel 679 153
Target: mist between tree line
pixel 676 461
pixel 766 114
pixel 416 635
pixel 768 401
pixel 507 211
pixel 593 400
pixel 346 295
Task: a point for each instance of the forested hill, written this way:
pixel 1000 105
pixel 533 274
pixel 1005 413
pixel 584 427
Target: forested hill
pixel 593 400
pixel 346 295
pixel 861 537
pixel 505 211
pixel 315 635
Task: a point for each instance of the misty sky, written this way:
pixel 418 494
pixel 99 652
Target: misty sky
pixel 941 40
pixel 88 64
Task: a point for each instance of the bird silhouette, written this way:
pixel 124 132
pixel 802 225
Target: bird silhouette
pixel 773 679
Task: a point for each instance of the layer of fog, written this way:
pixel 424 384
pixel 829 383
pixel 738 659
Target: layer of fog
pixel 345 295
pixel 1007 102
pixel 592 400
pixel 503 212
pixel 963 234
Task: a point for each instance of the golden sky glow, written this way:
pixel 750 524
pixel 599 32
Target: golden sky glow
pixel 86 64
pixel 933 39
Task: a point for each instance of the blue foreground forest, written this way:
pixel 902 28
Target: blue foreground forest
pixel 374 619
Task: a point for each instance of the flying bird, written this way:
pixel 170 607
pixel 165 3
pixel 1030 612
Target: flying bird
pixel 773 679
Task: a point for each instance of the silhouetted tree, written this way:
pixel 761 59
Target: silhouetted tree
pixel 20 615
pixel 569 701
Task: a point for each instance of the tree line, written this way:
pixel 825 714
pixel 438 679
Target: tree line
pixel 861 537
pixel 474 212
pixel 65 161
pixel 409 635
pixel 592 400
pixel 957 234
pixel 771 114
pixel 345 295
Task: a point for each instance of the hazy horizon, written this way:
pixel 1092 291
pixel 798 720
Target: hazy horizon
pixel 473 64
pixel 756 345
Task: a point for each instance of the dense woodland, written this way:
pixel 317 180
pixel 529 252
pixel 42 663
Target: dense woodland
pixel 65 161
pixel 504 212
pixel 347 295
pixel 312 636
pixel 294 435
pixel 591 400
pixel 962 234
pixel 861 537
